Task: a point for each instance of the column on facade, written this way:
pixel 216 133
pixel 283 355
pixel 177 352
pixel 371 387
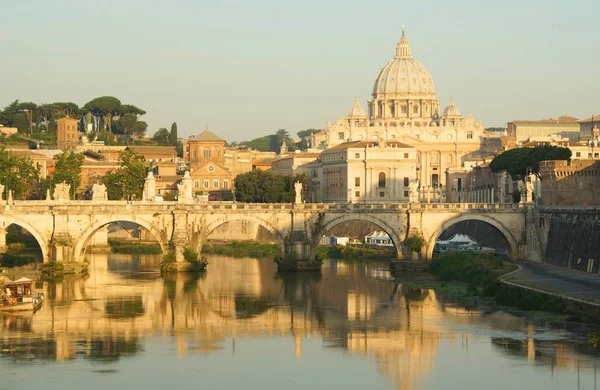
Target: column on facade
pixel 425 169
pixel 441 175
pixel 396 111
pixel 492 195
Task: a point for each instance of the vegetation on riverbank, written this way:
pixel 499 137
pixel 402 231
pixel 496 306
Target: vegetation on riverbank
pixel 481 273
pixel 354 252
pixel 128 247
pixel 243 249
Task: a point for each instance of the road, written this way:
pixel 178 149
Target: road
pixel 561 281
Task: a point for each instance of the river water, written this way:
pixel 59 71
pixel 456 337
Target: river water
pixel 241 326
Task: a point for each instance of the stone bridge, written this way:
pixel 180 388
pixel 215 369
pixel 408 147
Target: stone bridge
pixel 64 229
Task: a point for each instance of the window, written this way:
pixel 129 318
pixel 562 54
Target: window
pixel 595 155
pixel 406 182
pixel 469 134
pixel 341 135
pixel 196 184
pixel 206 153
pixel 406 194
pixel 215 184
pixel 449 136
pixel 357 194
pixel 403 109
pixel 433 136
pixel 356 155
pixel 205 183
pixel 194 153
pixel 449 159
pixel 357 182
pixel 382 194
pixel 381 180
pixel 415 109
pixel 589 155
pixel 434 180
pixel 578 154
pixel 405 155
pixel 225 184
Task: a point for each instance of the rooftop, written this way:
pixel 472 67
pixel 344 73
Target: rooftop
pixel 206 135
pixel 365 144
pixel 563 120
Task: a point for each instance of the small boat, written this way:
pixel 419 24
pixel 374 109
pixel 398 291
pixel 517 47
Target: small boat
pixel 19 295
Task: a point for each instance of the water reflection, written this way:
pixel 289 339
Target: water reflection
pixel 124 307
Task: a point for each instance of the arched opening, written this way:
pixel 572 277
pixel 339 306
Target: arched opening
pixel 474 234
pixel 364 238
pixel 21 247
pixel 120 246
pixel 243 237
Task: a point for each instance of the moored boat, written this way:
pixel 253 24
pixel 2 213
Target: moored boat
pixel 19 295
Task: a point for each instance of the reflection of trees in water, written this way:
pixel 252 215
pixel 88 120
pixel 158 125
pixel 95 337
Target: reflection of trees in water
pixel 109 350
pixel 124 307
pixel 28 349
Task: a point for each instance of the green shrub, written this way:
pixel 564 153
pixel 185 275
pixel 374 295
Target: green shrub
pixel 134 247
pixel 353 252
pixel 52 270
pixel 414 243
pixel 16 260
pixel 243 249
pixel 190 255
pixel 168 263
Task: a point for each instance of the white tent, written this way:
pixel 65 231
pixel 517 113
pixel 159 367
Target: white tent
pixel 460 239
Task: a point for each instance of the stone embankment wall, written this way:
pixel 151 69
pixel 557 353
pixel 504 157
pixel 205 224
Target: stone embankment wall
pixel 572 237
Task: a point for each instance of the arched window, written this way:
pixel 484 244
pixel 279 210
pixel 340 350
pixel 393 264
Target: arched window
pixel 449 159
pixel 381 180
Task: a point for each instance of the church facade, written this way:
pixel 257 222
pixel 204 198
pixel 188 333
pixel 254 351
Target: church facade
pixel 404 108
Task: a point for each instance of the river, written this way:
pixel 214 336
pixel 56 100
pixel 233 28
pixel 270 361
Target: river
pixel 242 326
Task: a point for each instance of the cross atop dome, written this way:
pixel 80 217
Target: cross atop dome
pixel 403 47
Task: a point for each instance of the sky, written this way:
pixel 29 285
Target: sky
pixel 248 68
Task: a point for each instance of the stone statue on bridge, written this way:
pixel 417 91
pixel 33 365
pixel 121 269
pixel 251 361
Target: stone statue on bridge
pixel 413 192
pixel 298 190
pixel 184 188
pixel 149 187
pixel 62 192
pixel 99 192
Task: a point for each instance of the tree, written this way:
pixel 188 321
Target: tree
pixel 174 138
pixel 128 181
pixel 17 174
pixel 67 169
pixel 162 136
pixel 30 111
pixel 520 162
pixel 105 107
pixel 131 127
pixel 304 136
pixel 260 186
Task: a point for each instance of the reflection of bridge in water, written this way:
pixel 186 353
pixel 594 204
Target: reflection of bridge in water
pixel 351 306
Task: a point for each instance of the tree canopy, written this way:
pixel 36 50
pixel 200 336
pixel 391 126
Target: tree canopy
pixel 127 182
pixel 521 161
pixel 18 174
pixel 162 136
pixel 260 186
pixel 66 169
pixel 271 143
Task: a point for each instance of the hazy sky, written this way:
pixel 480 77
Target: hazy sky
pixel 249 67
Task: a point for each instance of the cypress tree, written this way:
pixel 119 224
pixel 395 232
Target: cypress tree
pixel 174 134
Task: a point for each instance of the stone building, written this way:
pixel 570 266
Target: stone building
pixel 575 182
pixel 405 108
pixel 590 129
pixel 561 127
pixel 155 153
pixel 373 171
pixel 293 164
pixel 67 136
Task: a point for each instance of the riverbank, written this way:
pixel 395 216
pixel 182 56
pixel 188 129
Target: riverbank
pixel 243 249
pixel 354 252
pixel 134 247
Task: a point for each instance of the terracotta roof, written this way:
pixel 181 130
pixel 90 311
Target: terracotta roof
pixel 171 150
pixel 563 120
pixel 362 144
pixel 298 155
pixel 596 119
pixel 206 135
pixel 264 161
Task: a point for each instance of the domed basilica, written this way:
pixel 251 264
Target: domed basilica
pixel 405 108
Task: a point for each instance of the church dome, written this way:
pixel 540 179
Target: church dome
pixel 357 111
pixel 403 75
pixel 452 110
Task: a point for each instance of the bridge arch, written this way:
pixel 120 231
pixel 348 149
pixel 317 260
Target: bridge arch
pixel 386 227
pixel 510 239
pixel 6 221
pixel 211 226
pixel 96 225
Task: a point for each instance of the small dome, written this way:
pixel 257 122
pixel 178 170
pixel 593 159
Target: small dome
pixel 452 110
pixel 404 75
pixel 357 111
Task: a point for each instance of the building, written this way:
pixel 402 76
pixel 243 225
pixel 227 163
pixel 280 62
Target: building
pixel 590 129
pixel 155 153
pixel 8 131
pixel 207 163
pixel 575 182
pixel 561 127
pixel 379 240
pixel 373 171
pixel 67 136
pixel 405 108
pixel 293 164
